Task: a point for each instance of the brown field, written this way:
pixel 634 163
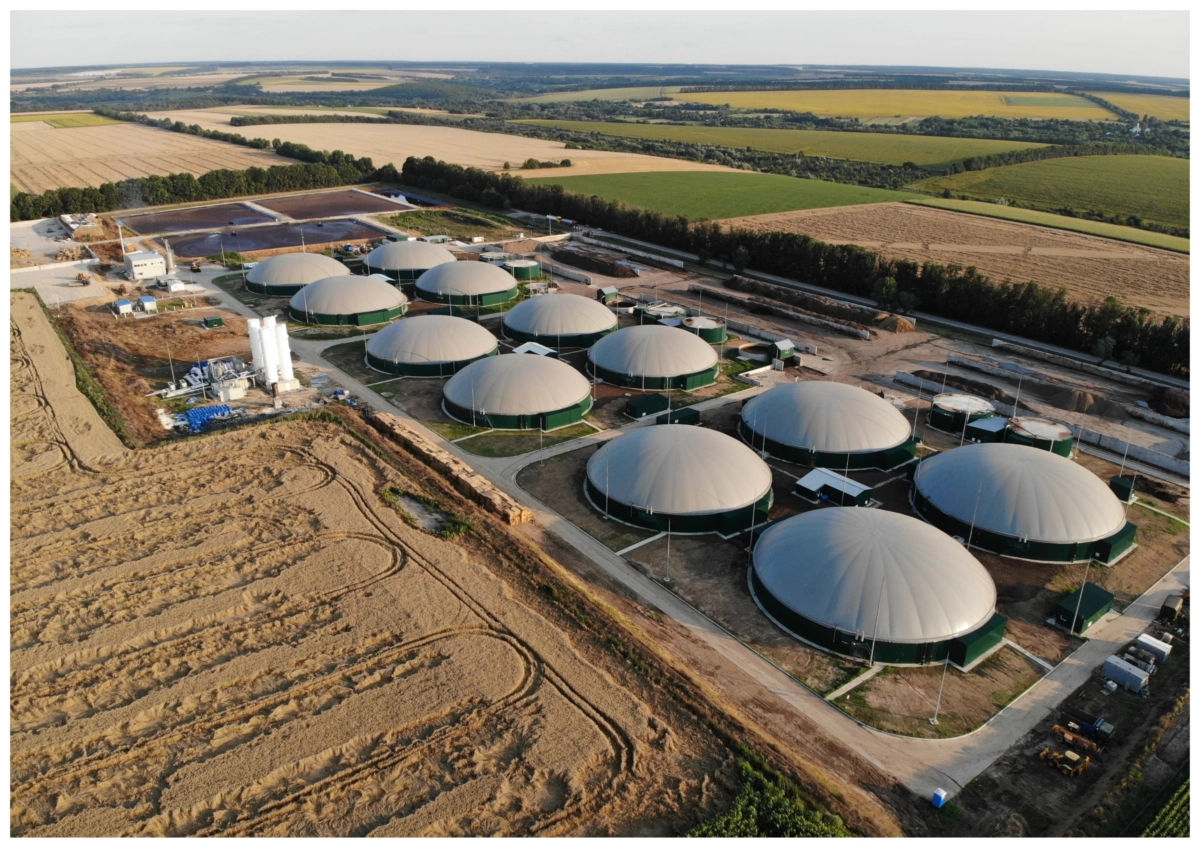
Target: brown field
pixel 235 635
pixel 44 158
pixel 1089 267
pixel 464 147
pixel 91 84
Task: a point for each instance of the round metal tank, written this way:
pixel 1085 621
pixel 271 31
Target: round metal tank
pixel 1041 433
pixel 429 346
pixel 653 357
pixel 286 274
pixel 466 283
pixel 406 261
pixel 518 391
pixel 559 320
pixel 711 330
pixel 358 301
pixel 951 412
pixel 523 269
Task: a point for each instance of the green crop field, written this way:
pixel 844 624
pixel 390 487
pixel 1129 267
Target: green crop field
pixel 637 93
pixel 886 148
pixel 1154 188
pixel 721 194
pixel 66 120
pixel 1174 819
pixel 875 103
pixel 1060 222
pixel 1156 106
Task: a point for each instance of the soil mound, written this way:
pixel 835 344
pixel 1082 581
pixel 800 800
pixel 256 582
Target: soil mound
pixel 896 324
pixel 1172 403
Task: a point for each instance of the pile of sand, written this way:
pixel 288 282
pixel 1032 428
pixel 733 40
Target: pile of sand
pixel 897 324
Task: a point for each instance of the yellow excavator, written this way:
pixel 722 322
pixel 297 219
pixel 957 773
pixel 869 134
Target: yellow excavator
pixel 1068 762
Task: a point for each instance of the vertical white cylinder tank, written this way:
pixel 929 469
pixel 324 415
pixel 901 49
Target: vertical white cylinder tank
pixel 285 352
pixel 270 351
pixel 254 326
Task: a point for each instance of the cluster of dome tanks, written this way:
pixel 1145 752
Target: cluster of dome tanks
pixel 867 583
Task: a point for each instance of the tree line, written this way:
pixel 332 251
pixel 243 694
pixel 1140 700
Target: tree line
pixel 1027 309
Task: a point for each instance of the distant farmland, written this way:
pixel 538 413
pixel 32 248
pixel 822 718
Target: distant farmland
pixel 882 103
pixel 1156 106
pixel 65 120
pixel 721 194
pixel 888 149
pixel 1152 187
pixel 638 93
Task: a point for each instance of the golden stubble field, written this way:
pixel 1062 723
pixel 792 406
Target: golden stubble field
pixel 469 148
pixel 1089 267
pixel 233 635
pixel 44 157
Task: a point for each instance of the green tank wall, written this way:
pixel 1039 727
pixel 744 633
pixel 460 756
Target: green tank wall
pixel 422 369
pixel 966 648
pixel 712 335
pixel 272 291
pixel 403 275
pixel 725 523
pixel 468 299
pixel 361 319
pixel 1062 448
pixel 953 422
pixel 524 273
pixel 580 340
pixel 1102 550
pixel 534 421
pixel 682 382
pixel 884 460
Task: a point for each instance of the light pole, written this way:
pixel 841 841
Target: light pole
pixel 1079 604
pixel 938 706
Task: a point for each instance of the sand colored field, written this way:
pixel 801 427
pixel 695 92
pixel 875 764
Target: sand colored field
pixel 1156 106
pixel 397 142
pixel 234 635
pixel 878 103
pixel 1090 268
pixel 86 84
pixel 44 157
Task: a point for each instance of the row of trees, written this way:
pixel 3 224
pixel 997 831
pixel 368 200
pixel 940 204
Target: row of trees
pixel 1027 309
pixel 1038 154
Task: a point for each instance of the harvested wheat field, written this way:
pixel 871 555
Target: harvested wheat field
pixel 1089 267
pixel 44 157
pixel 236 635
pixel 395 143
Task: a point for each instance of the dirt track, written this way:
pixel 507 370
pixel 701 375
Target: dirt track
pixel 234 635
pixel 1089 267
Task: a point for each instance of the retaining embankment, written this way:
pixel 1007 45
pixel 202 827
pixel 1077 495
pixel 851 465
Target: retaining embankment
pixel 462 476
pixel 843 327
pixel 1076 365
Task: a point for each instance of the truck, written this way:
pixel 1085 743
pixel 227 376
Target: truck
pixel 1075 740
pixel 1126 675
pixel 1172 608
pixel 1097 728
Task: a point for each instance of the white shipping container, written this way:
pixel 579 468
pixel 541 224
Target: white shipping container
pixel 1159 650
pixel 1123 674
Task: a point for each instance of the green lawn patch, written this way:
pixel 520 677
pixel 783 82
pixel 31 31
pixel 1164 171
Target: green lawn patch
pixel 1153 188
pixel 515 443
pixel 1061 222
pixel 66 121
pixel 456 223
pixel 885 148
pixel 721 194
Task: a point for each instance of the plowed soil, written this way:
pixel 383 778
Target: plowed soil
pixel 1089 267
pixel 235 635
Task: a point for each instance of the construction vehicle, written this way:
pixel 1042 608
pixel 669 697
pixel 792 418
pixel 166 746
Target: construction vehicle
pixel 83 278
pixel 195 267
pixel 1075 740
pixel 1067 762
pixel 1097 728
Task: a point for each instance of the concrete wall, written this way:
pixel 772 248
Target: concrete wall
pixel 621 248
pixel 1076 365
pixel 1082 435
pixel 782 312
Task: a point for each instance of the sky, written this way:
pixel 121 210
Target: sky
pixel 1133 43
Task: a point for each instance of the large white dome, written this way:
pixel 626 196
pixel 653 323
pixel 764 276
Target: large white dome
pixel 431 340
pixel 407 256
pixel 560 315
pixel 679 470
pixel 465 279
pixel 295 269
pixel 517 384
pixel 1022 492
pixel 826 417
pixel 848 568
pixel 346 295
pixel 653 351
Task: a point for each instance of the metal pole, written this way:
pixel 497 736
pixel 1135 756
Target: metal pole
pixel 945 374
pixel 1129 503
pixel 966 421
pixel 974 515
pixel 945 668
pixel 1123 458
pixel 607 464
pixel 917 411
pixel 171 363
pixel 668 550
pixel 1082 586
pixel 878 609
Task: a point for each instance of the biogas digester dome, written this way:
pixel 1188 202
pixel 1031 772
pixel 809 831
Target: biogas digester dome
pixel 680 478
pixel 405 261
pixel 358 301
pixel 429 346
pixel 286 274
pixel 654 357
pixel 870 583
pixel 559 320
pixel 827 425
pixel 518 391
pixel 1032 504
pixel 466 283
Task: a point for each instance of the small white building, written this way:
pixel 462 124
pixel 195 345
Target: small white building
pixel 147 304
pixel 144 265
